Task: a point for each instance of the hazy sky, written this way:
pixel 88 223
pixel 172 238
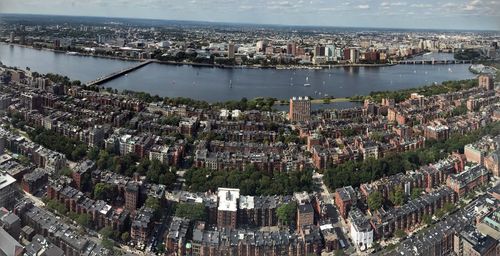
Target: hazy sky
pixel 449 14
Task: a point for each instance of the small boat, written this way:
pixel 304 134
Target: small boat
pixel 307 84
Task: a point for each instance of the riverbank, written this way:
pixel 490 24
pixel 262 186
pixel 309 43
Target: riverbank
pixel 319 101
pixel 209 65
pixel 80 54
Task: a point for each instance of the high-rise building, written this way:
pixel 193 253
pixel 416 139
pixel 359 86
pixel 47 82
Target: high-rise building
pixel 300 109
pixel 330 52
pixel 131 197
pixel 290 48
pixel 261 46
pixel 231 50
pixel 96 136
pixel 353 55
pixel 486 82
pixel 227 211
pixel 12 36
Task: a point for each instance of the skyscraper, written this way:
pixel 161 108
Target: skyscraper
pixel 230 50
pixel 300 109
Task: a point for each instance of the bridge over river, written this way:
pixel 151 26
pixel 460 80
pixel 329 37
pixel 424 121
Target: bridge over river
pixel 117 74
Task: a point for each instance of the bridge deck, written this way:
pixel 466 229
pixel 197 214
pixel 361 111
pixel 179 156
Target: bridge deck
pixel 117 74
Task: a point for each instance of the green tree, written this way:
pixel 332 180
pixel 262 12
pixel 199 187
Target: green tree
pixel 397 197
pixel 192 211
pixel 339 252
pixel 107 243
pixel 426 219
pixel 104 191
pixel 154 203
pixel 416 193
pixel 107 233
pixel 286 212
pixel 375 201
pixel 399 233
pixel 449 207
pixel 125 236
pixel 84 220
pixel 65 171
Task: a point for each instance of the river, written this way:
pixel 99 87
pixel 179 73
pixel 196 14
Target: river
pixel 218 84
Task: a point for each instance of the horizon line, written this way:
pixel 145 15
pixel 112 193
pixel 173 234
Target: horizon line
pixel 250 23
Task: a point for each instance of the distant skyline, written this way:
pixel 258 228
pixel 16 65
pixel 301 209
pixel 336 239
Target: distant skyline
pixel 427 14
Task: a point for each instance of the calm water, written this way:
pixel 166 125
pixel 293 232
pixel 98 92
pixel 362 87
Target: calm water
pixel 214 84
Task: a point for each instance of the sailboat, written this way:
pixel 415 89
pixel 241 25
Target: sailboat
pixel 230 83
pixel 307 84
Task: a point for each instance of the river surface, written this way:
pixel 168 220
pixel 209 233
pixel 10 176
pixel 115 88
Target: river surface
pixel 218 84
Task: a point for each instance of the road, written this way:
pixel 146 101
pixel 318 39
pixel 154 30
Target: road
pixel 328 199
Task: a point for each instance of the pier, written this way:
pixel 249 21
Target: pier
pixel 117 74
pixel 432 62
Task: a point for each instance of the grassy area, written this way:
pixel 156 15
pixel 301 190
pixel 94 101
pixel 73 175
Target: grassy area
pixel 428 90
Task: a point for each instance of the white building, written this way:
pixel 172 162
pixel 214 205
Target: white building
pixel 360 229
pixel 7 190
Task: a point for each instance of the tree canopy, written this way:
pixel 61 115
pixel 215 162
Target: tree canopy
pixel 192 211
pixel 375 201
pixel 250 181
pixel 286 212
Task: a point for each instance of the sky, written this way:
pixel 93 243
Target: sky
pixel 433 14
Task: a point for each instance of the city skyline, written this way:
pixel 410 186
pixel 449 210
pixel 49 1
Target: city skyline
pixel 461 15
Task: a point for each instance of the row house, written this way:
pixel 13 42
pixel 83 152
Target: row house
pixel 468 180
pixel 142 225
pixel 410 215
pixel 57 232
pixel 102 214
pixel 253 243
pixel 247 136
pixel 259 211
pixel 34 180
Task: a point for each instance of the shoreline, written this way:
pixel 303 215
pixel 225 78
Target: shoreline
pixel 195 64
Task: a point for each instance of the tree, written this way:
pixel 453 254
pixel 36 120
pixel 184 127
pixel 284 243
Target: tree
pixel 397 197
pixel 375 201
pixel 399 233
pixel 107 243
pixel 125 236
pixel 426 219
pixel 416 193
pixel 107 233
pixel 84 220
pixel 65 171
pixel 339 252
pixel 104 191
pixel 286 212
pixel 449 207
pixel 440 213
pixel 192 211
pixel 154 203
